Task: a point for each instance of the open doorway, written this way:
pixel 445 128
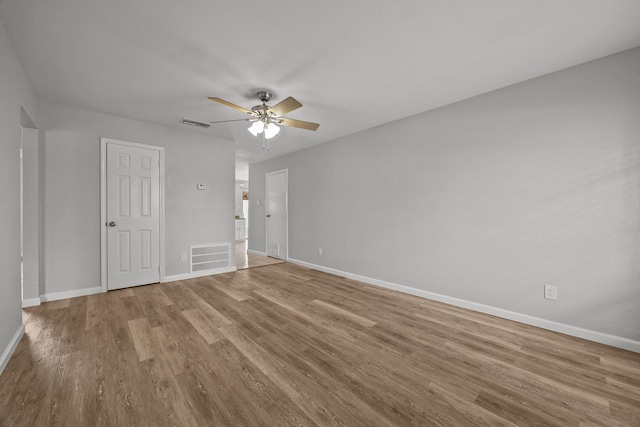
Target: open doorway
pixel 241 220
pixel 244 259
pixel 29 212
pixel 245 209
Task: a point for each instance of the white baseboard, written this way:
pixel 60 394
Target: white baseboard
pixel 599 337
pixel 54 296
pixel 198 274
pixel 8 352
pixel 31 302
pixel 97 290
pixel 252 252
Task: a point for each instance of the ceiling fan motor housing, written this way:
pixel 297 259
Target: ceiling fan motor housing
pixel 260 110
pixel 264 95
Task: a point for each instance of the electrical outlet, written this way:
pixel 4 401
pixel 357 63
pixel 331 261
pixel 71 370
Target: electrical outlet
pixel 183 256
pixel 320 251
pixel 551 292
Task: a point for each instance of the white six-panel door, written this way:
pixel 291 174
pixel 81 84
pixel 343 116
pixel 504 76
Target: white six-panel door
pixel 276 202
pixel 132 215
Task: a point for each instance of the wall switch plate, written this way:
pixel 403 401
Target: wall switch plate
pixel 551 292
pixel 183 256
pixel 320 251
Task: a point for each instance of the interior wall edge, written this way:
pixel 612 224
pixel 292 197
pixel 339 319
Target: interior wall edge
pixel 11 347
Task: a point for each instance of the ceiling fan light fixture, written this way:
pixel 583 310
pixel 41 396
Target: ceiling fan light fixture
pixel 271 130
pixel 265 119
pixel 256 128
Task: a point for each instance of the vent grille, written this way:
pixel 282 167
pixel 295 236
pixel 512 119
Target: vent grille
pixel 194 123
pixel 209 257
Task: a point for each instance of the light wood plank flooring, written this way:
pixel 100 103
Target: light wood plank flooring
pixel 284 345
pixel 247 260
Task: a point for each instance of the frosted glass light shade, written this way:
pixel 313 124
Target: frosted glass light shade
pixel 271 130
pixel 256 128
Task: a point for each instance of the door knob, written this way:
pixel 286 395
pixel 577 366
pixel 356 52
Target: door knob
pixel 268 216
pixel 112 224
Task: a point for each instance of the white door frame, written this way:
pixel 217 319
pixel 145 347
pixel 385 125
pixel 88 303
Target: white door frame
pixel 103 205
pixel 286 210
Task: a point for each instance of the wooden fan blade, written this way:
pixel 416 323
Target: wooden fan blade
pixel 228 104
pixel 285 106
pixel 298 124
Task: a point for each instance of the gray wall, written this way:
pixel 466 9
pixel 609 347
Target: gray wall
pixel 72 191
pixel 15 92
pixel 488 199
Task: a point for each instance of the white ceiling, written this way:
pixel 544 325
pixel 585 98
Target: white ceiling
pixel 353 64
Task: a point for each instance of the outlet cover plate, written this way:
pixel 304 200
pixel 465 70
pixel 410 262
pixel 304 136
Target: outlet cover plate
pixel 551 292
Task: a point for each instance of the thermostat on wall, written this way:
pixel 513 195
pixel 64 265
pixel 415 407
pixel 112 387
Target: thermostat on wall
pixel 202 186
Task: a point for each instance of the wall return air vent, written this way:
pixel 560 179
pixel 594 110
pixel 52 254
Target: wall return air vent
pixel 209 257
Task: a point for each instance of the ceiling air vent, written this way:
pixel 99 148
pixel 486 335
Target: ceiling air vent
pixel 194 123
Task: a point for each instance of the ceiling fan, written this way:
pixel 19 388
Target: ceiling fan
pixel 266 119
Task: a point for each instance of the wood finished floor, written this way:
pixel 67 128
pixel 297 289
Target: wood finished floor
pixel 284 345
pixel 247 260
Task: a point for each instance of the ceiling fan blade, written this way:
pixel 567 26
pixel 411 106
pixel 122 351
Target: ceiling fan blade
pixel 285 106
pixel 236 120
pixel 298 124
pixel 228 104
